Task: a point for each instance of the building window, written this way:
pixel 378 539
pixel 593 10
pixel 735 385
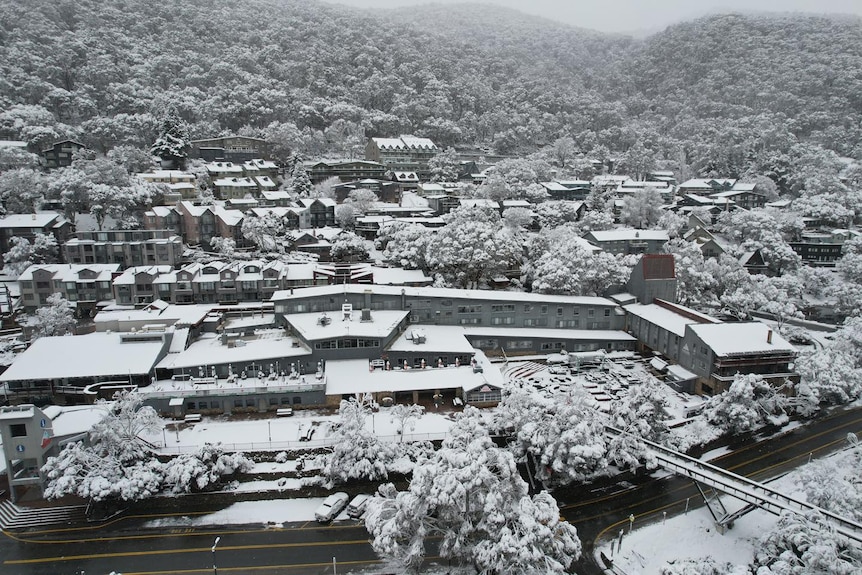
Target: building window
pixel 502 321
pixel 18 430
pixel 607 313
pixel 497 308
pixel 559 311
pixel 469 309
pixel 536 322
pixel 470 320
pixel 519 344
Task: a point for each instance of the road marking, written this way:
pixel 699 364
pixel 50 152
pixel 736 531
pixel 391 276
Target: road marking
pixel 190 532
pixel 178 551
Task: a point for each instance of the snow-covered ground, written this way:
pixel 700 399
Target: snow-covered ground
pixel 280 433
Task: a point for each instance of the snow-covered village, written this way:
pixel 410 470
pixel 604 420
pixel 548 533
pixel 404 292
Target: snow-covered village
pixel 395 287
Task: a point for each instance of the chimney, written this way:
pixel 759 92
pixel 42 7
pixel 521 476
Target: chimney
pixel 769 336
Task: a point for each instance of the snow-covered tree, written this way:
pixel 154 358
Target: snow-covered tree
pixel 832 374
pixel 472 247
pixel 361 199
pixel 555 213
pixel 569 267
pixel 642 210
pixel 443 167
pixel 19 256
pixel 517 219
pixel 349 247
pixel 470 495
pixel 404 417
pixel 836 488
pixel 206 467
pixel 345 216
pixel 225 247
pixel 22 190
pixel 357 452
pixel 595 221
pixel 747 404
pixel 641 414
pixel 563 150
pixel 806 545
pixel 405 244
pixel 173 142
pixel 300 183
pixel 264 231
pixel 55 318
pixel 564 437
pixel 117 463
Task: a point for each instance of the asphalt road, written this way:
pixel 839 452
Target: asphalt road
pixel 126 545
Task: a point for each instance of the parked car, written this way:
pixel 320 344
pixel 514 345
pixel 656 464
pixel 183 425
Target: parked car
pixel 357 505
pixel 331 507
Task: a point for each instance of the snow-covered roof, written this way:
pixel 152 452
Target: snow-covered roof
pixel 223 168
pixel 479 203
pixel 176 315
pixel 399 276
pixel 741 338
pixel 70 420
pixel 160 211
pixel 208 349
pixel 84 356
pixel 273 195
pixel 550 333
pixel 629 234
pixel 37 220
pixel 449 293
pixel 230 218
pixel 707 183
pixel 415 142
pixel 71 272
pixel 436 339
pixel 264 181
pixel 406 176
pixel 353 376
pixel 235 183
pixel 668 319
pixel 382 324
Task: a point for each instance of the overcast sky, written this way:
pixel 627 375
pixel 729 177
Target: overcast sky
pixel 633 15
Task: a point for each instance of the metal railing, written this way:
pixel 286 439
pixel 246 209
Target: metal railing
pixel 743 488
pixel 289 445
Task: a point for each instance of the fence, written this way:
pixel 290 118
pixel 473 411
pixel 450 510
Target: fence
pixel 291 445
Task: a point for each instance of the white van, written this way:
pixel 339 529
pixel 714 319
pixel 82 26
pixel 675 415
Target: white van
pixel 357 506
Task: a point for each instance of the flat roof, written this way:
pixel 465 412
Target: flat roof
pixel 438 338
pixel 266 344
pixel 92 355
pixel 382 324
pixel 551 333
pixel 430 292
pixel 352 376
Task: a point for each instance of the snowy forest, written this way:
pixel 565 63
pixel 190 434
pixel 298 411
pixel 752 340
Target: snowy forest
pixel 725 95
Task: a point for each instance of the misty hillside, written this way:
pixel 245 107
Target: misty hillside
pixel 325 76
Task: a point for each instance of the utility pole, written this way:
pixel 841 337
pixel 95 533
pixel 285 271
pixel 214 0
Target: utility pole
pixel 215 569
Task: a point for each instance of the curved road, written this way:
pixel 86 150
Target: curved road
pixel 129 546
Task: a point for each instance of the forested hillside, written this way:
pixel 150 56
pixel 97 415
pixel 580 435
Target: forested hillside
pixel 728 94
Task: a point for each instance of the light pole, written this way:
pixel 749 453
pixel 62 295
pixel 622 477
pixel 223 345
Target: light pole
pixel 269 428
pixel 215 569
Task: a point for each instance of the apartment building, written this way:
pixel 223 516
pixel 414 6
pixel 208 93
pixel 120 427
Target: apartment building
pixel 124 247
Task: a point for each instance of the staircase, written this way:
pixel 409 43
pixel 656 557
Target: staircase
pixel 14 517
pixel 524 370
